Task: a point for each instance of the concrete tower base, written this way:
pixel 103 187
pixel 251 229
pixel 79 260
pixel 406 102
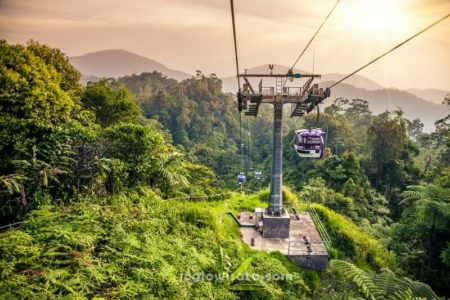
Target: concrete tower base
pixel 311 254
pixel 276 226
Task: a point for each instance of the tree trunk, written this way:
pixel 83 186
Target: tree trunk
pixel 427 165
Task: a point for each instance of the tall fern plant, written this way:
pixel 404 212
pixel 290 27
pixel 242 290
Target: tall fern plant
pixel 383 285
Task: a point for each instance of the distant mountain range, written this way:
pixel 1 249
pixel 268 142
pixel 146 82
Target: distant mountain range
pixel 230 84
pixel 118 62
pixel 416 103
pixel 391 99
pixel 432 95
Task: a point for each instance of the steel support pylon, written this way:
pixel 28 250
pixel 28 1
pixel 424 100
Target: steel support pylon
pixel 276 181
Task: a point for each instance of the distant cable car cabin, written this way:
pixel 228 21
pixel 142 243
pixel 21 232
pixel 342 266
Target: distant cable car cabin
pixel 309 143
pixel 241 178
pixel 258 175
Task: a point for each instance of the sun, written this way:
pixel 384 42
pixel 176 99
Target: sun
pixel 375 16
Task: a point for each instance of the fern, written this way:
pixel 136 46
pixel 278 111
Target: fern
pixel 12 182
pixel 383 285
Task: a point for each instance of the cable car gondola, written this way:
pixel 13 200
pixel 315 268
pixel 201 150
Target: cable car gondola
pixel 241 178
pixel 309 143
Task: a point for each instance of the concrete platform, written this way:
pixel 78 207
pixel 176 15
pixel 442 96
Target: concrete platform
pixel 247 218
pixel 312 254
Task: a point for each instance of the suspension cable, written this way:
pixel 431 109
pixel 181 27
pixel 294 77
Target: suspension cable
pixel 241 141
pixel 203 196
pixel 249 142
pixel 389 51
pixel 318 115
pixel 235 44
pixel 237 76
pixel 317 31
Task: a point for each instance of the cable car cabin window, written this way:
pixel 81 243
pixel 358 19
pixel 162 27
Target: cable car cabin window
pixel 312 140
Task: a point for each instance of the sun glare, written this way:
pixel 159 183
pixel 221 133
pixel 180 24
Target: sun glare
pixel 380 16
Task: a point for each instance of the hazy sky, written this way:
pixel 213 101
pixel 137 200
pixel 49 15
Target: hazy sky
pixel 196 34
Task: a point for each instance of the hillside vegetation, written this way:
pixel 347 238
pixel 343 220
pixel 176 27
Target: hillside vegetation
pixel 105 180
pixel 135 245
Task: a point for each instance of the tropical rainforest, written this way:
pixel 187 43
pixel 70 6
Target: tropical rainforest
pixel 119 188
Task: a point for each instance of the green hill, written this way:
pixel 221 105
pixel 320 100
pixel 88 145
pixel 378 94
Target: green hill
pixel 136 245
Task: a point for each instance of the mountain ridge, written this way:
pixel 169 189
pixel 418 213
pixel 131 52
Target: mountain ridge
pixel 356 80
pixel 416 103
pixel 432 95
pixel 390 99
pixel 120 62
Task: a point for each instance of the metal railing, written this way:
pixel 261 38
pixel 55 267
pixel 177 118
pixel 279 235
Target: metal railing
pixel 290 91
pixel 293 91
pixel 316 247
pixel 268 91
pixel 10 226
pixel 320 227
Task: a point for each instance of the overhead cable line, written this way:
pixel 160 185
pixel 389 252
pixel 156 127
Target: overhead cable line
pixel 237 75
pixel 241 140
pixel 235 44
pixel 202 196
pixel 389 51
pixel 317 31
pixel 317 116
pixel 249 141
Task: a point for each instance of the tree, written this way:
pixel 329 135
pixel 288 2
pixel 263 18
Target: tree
pixel 201 118
pixel 390 165
pixel 35 115
pixel 53 57
pixel 110 104
pixel 446 100
pixel 139 155
pixel 442 132
pixel 441 135
pixel 358 109
pixel 140 148
pixel 415 129
pixel 422 235
pixel 387 140
pixel 158 108
pixel 398 116
pixel 337 106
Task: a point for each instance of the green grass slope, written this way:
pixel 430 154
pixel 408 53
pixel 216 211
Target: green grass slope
pixel 137 246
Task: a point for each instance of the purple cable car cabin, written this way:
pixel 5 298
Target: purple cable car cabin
pixel 309 143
